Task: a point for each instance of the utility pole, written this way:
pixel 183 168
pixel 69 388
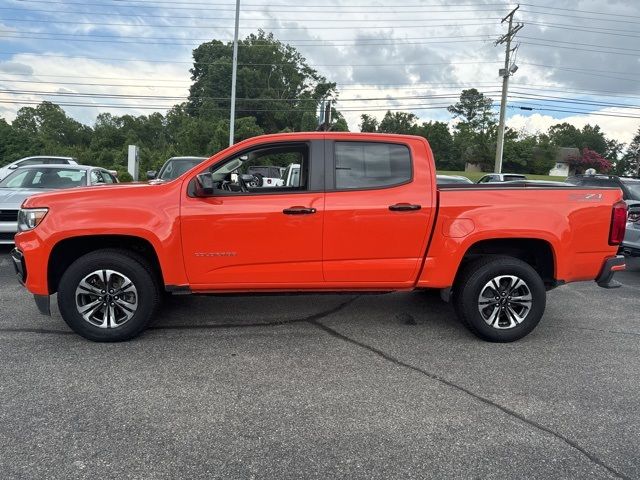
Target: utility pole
pixel 234 72
pixel 505 72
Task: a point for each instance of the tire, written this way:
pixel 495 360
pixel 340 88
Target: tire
pixel 499 299
pixel 129 308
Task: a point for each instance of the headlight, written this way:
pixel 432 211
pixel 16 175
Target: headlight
pixel 30 218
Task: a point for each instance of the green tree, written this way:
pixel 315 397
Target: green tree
pixel 398 122
pixel 441 142
pixel 309 122
pixel 368 123
pixel 591 137
pixel 544 156
pixel 475 136
pixel 474 109
pixel 630 162
pixel 275 84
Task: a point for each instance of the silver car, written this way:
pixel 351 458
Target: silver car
pixel 26 181
pixel 37 160
pixel 631 242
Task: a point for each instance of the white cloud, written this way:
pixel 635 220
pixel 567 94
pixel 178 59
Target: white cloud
pixel 621 129
pixel 130 78
pixel 451 44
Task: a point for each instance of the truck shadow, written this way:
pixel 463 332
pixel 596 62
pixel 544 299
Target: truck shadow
pixel 237 311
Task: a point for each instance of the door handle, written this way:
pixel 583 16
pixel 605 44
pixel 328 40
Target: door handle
pixel 298 211
pixel 403 207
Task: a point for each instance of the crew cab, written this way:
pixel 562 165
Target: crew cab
pixel 363 214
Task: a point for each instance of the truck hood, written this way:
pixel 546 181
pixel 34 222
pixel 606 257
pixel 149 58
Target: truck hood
pixel 119 190
pixel 12 198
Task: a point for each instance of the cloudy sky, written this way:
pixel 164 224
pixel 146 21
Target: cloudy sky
pixel 578 60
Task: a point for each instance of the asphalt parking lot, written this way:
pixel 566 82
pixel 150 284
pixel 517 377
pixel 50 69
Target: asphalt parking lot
pixel 322 386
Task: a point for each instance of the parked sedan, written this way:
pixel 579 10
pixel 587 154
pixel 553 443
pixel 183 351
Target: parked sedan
pixel 38 160
pixel 452 179
pixel 26 181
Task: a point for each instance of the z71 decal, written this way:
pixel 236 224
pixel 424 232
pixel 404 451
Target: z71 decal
pixel 585 197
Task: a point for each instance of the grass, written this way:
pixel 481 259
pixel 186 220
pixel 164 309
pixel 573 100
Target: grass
pixel 475 176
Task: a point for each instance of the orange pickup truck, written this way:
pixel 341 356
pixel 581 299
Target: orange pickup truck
pixel 359 212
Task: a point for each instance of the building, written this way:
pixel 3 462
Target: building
pixel 562 167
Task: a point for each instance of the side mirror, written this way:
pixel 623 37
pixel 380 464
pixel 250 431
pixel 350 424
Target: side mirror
pixel 204 185
pixel 246 178
pixel 13 167
pixel 151 174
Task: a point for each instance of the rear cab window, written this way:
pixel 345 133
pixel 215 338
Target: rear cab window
pixel 369 165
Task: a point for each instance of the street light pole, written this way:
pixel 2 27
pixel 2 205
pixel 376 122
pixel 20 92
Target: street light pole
pixel 234 72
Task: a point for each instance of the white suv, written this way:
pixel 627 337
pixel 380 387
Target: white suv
pixel 38 160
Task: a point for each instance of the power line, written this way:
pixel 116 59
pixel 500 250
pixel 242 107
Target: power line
pixel 373 85
pixel 576 69
pixel 246 99
pixel 342 86
pixel 209 27
pixel 168 107
pixel 580 11
pixel 358 44
pixel 243 64
pixel 368 109
pixel 448 11
pixel 367 5
pixel 554 42
pixel 199 17
pixel 599 114
pixel 580 49
pixel 192 6
pixel 591 29
pixel 516 94
pixel 266 42
pixel 555 99
pixel 355 43
pixel 578 17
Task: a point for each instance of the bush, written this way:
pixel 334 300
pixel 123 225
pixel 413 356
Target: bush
pixel 124 176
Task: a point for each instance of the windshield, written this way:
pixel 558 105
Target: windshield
pixel 634 188
pixel 174 168
pixel 42 177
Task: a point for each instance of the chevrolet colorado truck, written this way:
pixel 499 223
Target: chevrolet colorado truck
pixel 363 215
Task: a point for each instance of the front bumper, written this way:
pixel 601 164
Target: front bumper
pixel 19 265
pixel 42 301
pixel 611 265
pixel 8 231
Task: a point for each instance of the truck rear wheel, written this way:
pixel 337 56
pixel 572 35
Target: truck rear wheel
pixel 499 299
pixel 109 295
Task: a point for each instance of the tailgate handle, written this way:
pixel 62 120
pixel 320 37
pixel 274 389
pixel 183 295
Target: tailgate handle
pixel 403 207
pixel 298 211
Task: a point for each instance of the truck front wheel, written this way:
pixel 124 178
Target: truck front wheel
pixel 499 299
pixel 108 295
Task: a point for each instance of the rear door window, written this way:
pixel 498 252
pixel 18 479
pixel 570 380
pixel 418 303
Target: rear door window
pixel 487 179
pixel 360 165
pixel 55 161
pixel 96 177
